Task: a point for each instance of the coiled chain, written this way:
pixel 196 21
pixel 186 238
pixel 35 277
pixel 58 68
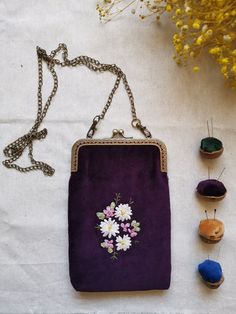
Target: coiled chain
pixel 14 150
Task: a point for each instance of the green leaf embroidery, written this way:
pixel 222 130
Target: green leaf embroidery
pixel 100 215
pixel 110 250
pixel 114 255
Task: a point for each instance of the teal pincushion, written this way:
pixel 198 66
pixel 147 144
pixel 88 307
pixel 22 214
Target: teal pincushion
pixel 211 147
pixel 211 144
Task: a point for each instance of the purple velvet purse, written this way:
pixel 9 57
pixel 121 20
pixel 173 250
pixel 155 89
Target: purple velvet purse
pixel 119 215
pixel 119 209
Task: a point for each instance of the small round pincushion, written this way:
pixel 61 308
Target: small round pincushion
pixel 211 189
pixel 211 273
pixel 211 230
pixel 211 147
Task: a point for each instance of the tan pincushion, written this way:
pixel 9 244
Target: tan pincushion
pixel 211 230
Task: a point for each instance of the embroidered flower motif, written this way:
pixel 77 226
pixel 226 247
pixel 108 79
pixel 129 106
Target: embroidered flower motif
pixel 118 234
pixel 108 244
pixel 109 212
pixel 123 243
pixel 123 212
pixel 125 226
pixel 132 232
pixel 135 225
pixel 109 227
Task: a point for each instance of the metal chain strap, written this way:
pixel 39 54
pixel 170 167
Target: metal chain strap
pixel 14 150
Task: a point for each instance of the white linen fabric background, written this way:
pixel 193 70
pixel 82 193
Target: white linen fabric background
pixel 173 102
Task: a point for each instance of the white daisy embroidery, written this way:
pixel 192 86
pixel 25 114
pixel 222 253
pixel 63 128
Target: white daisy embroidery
pixel 123 212
pixel 123 243
pixel 109 227
pixel 117 229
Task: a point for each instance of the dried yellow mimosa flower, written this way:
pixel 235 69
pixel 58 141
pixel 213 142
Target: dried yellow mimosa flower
pixel 202 25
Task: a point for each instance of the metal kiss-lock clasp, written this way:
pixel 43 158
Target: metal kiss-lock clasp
pixel 118 134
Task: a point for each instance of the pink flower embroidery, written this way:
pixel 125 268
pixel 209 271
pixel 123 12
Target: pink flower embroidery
pixel 109 244
pixel 109 212
pixel 125 226
pixel 132 233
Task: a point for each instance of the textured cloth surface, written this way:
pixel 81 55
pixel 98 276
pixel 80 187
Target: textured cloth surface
pixel 173 103
pixel 134 171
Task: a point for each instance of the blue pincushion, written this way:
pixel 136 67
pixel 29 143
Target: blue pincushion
pixel 210 271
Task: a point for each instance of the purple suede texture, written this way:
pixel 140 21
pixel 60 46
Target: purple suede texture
pixel 134 171
pixel 211 187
